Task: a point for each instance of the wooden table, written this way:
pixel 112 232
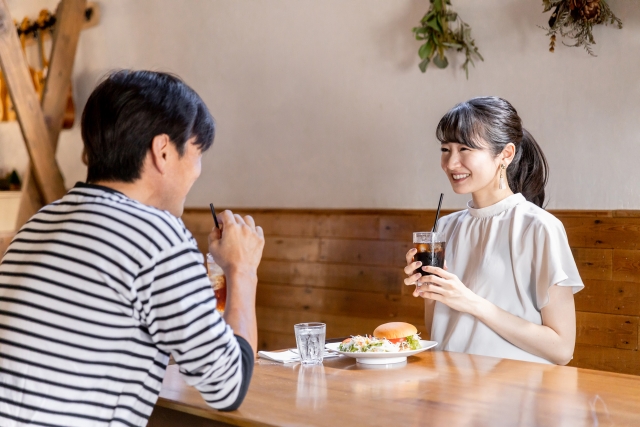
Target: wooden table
pixel 432 389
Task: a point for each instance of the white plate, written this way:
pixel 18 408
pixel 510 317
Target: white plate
pixel 383 358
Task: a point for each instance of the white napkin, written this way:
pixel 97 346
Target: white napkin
pixel 280 356
pixel 289 356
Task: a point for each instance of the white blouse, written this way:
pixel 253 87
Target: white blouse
pixel 509 253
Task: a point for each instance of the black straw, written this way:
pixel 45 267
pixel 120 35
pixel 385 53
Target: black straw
pixel 435 224
pixel 213 212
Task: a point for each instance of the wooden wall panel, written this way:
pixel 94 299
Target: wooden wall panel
pixel 333 276
pixel 364 252
pixel 282 321
pixel 607 330
pixel 349 227
pixel 626 265
pixel 339 302
pixel 606 359
pixel 593 263
pixel 297 225
pixel 292 248
pixel 203 244
pixel 400 226
pixel 344 268
pixel 603 233
pixel 268 340
pixel 603 296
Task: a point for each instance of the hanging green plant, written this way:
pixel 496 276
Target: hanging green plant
pixel 439 32
pixel 575 19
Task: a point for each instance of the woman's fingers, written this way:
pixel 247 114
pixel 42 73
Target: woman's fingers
pixel 430 287
pixel 438 272
pixel 412 280
pixel 423 280
pixel 438 281
pixel 419 292
pixel 410 255
pixel 433 288
pixel 409 269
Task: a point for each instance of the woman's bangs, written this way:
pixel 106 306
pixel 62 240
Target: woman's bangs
pixel 459 126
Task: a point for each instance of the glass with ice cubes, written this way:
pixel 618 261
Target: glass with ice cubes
pixel 310 340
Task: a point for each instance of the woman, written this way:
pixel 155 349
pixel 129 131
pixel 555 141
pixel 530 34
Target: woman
pixel 508 290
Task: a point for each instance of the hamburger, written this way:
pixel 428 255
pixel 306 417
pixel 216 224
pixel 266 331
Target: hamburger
pixel 401 333
pixel 387 338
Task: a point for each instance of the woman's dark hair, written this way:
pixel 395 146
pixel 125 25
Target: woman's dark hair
pixel 127 110
pixel 495 121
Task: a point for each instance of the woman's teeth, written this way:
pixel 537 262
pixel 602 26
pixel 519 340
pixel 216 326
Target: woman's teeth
pixel 460 176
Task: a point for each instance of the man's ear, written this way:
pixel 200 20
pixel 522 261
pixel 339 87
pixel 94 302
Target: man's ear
pixel 159 152
pixel 85 157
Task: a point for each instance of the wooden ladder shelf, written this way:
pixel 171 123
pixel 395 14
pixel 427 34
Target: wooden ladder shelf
pixel 41 122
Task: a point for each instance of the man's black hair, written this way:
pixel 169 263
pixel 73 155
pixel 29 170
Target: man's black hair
pixel 127 110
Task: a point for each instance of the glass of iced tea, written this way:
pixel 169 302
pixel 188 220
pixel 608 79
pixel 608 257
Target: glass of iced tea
pixel 430 246
pixel 218 282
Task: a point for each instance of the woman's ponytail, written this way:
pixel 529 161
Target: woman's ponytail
pixel 529 172
pixel 493 120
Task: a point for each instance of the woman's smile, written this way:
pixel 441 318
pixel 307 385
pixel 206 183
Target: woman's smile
pixel 459 177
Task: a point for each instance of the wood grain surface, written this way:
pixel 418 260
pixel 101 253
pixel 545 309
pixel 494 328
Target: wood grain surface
pixel 432 389
pixel 25 101
pixel 69 22
pixel 345 268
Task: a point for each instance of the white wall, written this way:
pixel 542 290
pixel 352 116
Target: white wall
pixel 320 103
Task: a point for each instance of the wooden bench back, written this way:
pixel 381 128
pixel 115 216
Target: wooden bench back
pixel 344 268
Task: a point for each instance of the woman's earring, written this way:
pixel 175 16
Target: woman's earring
pixel 502 186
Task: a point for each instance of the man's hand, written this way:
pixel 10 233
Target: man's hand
pixel 239 248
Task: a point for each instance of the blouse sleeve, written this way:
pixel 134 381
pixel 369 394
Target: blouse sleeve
pixel 553 262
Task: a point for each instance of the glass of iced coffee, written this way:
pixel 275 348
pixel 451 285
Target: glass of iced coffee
pixel 431 247
pixel 218 282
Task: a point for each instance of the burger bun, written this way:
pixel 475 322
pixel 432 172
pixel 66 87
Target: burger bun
pixel 394 330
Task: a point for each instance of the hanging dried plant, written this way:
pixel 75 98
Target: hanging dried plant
pixel 438 31
pixel 575 19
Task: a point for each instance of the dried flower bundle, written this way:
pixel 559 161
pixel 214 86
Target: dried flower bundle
pixel 574 19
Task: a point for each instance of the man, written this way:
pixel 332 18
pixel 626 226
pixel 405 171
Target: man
pixel 100 287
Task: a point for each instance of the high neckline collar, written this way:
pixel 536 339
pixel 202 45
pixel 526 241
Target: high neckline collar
pixel 497 208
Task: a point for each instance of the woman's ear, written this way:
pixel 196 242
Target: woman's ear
pixel 159 152
pixel 508 153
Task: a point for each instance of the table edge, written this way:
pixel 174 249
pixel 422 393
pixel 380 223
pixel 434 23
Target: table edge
pixel 232 417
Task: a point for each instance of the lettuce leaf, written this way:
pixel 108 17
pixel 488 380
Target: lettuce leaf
pixel 414 342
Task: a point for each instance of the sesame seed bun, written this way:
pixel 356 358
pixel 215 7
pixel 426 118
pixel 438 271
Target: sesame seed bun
pixel 395 330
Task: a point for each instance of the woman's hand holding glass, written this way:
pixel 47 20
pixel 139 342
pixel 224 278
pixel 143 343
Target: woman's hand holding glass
pixel 439 286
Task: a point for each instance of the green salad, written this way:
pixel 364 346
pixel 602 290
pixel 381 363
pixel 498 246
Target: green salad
pixel 368 344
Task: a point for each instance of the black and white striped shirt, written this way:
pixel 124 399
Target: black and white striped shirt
pixel 96 291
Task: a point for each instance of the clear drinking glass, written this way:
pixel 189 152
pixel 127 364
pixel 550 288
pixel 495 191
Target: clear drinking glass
pixel 218 282
pixel 310 340
pixel 431 250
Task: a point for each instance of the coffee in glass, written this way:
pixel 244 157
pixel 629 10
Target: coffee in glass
pixel 431 250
